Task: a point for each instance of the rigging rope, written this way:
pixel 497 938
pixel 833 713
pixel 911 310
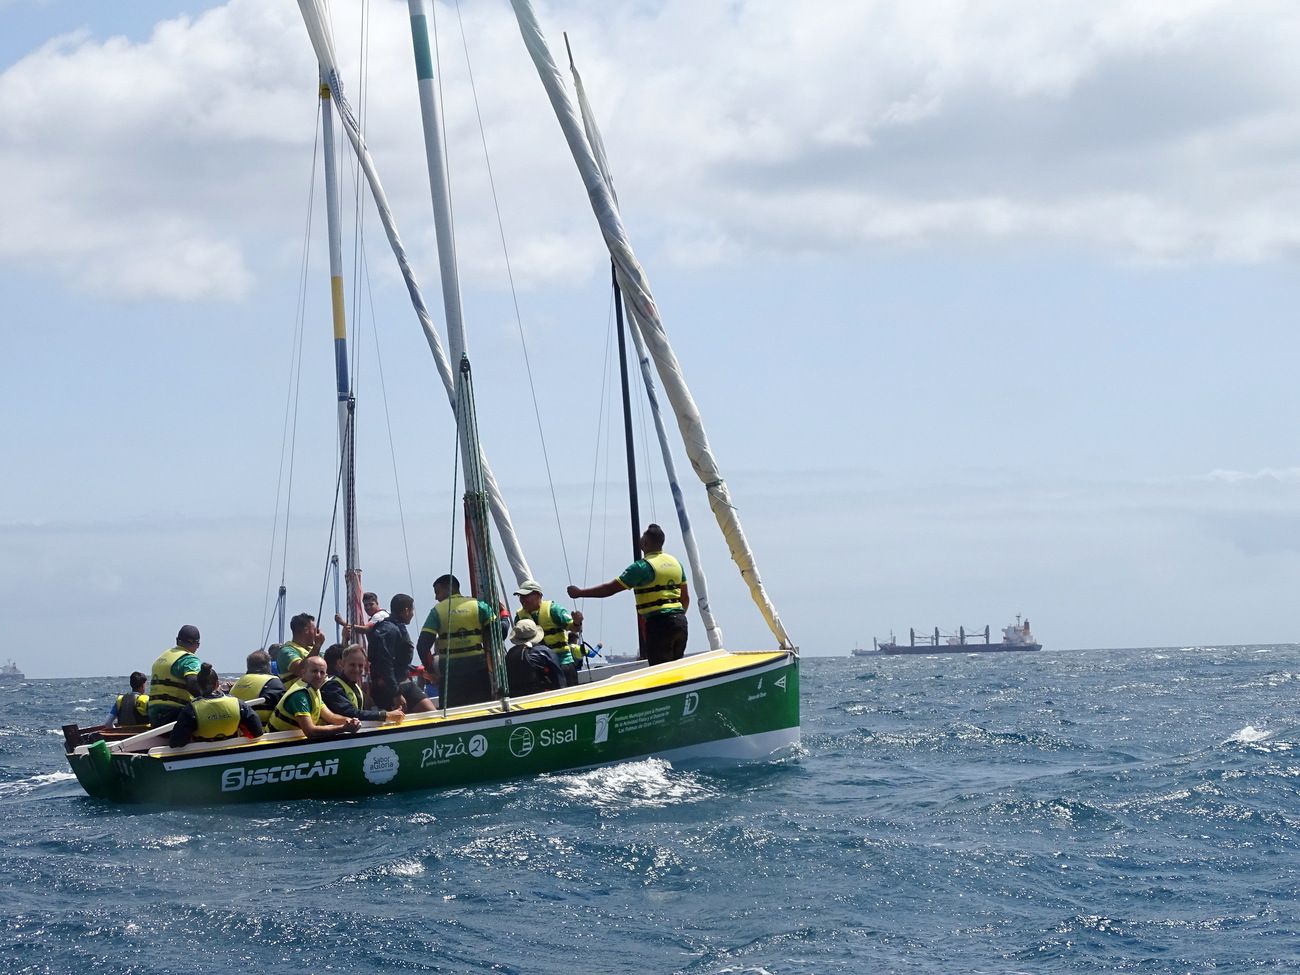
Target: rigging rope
pixel 388 422
pixel 294 387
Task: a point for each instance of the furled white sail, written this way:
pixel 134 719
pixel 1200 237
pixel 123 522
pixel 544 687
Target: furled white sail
pixel 322 42
pixel 636 292
pixel 699 582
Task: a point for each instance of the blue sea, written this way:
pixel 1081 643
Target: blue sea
pixel 1065 811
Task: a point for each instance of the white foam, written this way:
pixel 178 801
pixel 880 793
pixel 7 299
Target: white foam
pixel 651 782
pixel 1249 734
pixel 23 786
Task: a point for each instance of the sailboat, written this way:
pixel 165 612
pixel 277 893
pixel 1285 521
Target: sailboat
pixel 716 705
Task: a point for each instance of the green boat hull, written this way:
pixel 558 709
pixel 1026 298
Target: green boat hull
pixel 746 714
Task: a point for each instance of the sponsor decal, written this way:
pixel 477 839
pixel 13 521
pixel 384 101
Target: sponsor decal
pixel 557 736
pixel 380 765
pixel 521 742
pixel 759 693
pixel 234 779
pixel 602 729
pixel 627 722
pixel 444 750
pixel 780 683
pixel 692 702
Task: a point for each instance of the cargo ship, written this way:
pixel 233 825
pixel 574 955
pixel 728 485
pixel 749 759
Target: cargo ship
pixel 10 671
pixel 1015 636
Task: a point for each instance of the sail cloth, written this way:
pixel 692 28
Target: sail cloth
pixel 699 583
pixel 636 294
pixel 322 42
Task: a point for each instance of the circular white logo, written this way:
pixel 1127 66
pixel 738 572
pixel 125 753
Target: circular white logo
pixel 521 742
pixel 380 765
pixel 477 746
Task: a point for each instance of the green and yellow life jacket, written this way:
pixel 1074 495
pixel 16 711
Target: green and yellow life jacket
pixel 353 693
pixel 165 689
pixel 282 720
pixel 249 688
pixel 218 718
pixel 663 593
pixel 462 629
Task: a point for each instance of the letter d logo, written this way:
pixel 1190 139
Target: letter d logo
pixel 692 702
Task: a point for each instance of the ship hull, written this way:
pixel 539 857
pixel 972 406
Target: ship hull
pixel 716 707
pixel 893 649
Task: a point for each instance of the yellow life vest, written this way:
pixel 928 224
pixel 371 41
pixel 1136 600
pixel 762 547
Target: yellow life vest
pixel 461 629
pixel 132 709
pixel 354 695
pixel 663 593
pixel 554 635
pixel 282 720
pixel 218 718
pixel 249 688
pixel 165 689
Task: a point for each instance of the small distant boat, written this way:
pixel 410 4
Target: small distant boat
pixel 1015 636
pixel 10 671
pixel 861 652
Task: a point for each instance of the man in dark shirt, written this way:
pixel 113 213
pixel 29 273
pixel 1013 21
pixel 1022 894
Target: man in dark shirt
pixel 391 651
pixel 342 692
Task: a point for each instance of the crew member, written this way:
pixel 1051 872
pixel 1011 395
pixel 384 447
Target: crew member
pixel 259 682
pixel 662 597
pixel 212 715
pixel 456 631
pixel 342 692
pixel 131 708
pixel 307 640
pixel 301 708
pixel 555 621
pixel 531 665
pixel 369 606
pixel 391 652
pixel 172 679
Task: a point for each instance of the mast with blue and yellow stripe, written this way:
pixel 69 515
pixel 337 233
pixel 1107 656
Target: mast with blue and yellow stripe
pixel 346 400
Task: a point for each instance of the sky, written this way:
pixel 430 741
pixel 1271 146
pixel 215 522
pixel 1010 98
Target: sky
pixel 988 308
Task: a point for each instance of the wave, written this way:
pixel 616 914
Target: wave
pixel 1248 735
pixel 20 787
pixel 650 783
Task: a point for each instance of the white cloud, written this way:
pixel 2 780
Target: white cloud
pixel 1157 132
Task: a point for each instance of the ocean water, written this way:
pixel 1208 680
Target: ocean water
pixel 1066 811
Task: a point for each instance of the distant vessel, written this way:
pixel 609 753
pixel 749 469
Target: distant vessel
pixel 860 652
pixel 10 671
pixel 1015 636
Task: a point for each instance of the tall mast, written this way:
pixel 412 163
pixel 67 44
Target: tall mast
pixel 346 401
pixel 440 193
pixel 634 508
pixel 316 22
pixel 477 525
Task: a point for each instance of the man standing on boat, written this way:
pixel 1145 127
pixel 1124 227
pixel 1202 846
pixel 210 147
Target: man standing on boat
pixel 662 597
pixel 456 630
pixel 173 679
pixel 555 621
pixel 307 641
pixel 391 652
